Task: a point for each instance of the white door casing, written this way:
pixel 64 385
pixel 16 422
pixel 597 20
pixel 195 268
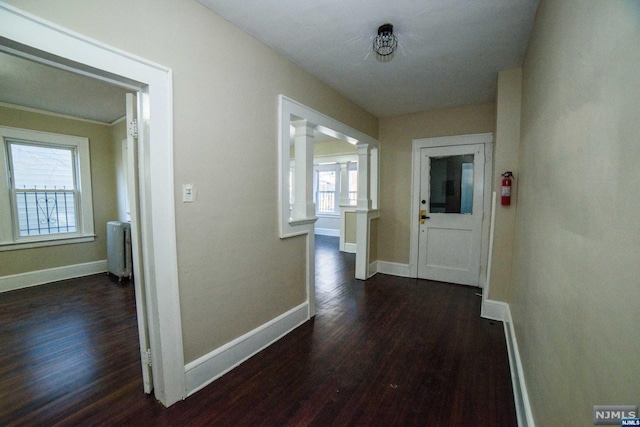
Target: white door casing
pixel 31 37
pixel 449 244
pixel 299 219
pixel 136 249
pixel 451 247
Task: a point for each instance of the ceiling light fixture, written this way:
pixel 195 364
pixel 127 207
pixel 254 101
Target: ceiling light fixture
pixel 385 42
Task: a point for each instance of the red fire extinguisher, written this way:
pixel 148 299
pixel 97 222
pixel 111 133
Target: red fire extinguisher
pixel 506 188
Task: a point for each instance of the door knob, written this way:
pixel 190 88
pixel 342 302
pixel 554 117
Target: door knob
pixel 423 216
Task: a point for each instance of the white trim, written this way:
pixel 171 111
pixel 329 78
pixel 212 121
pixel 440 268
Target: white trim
pixel 51 242
pixel 337 192
pixel 363 237
pixel 495 310
pixel 49 113
pixel 287 108
pixel 336 158
pixel 78 148
pixel 373 269
pixel 492 226
pixel 394 268
pixel 327 232
pixel 520 394
pixel 344 245
pixel 350 248
pixel 417 145
pixel 50 43
pixel 303 221
pixel 116 121
pixel 203 371
pixel 500 311
pixel 40 277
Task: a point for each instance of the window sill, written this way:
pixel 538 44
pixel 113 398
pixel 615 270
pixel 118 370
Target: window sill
pixel 302 221
pixel 42 243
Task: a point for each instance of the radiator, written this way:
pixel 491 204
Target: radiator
pixel 119 249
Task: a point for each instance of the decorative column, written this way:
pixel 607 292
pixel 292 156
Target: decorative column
pixel 362 211
pixel 344 184
pixel 303 206
pixel 364 165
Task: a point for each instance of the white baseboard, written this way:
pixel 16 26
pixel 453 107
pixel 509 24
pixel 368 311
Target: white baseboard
pixel 393 268
pixel 497 310
pixel 39 277
pixel 203 371
pixel 327 232
pixel 350 248
pixel 373 269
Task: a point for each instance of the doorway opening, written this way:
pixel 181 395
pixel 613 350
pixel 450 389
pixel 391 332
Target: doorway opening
pixel 297 129
pixel 64 103
pixel 27 36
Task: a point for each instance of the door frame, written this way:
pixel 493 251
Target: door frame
pixel 33 38
pixel 448 141
pixel 293 223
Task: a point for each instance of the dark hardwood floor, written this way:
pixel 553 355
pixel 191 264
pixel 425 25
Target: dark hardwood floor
pixel 388 351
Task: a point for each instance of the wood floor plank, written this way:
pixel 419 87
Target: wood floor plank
pixel 388 351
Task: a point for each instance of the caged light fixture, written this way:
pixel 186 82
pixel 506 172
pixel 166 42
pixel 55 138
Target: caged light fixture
pixel 385 42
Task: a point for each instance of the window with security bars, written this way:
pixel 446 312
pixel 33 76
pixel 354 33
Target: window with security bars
pixel 47 199
pixel 353 183
pixel 327 191
pixel 44 188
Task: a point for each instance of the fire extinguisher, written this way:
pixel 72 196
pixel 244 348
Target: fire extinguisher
pixel 506 188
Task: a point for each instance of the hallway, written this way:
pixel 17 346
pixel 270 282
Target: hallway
pixel 388 351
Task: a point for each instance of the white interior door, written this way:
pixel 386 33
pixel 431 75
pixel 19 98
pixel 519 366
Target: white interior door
pixel 134 211
pixel 451 212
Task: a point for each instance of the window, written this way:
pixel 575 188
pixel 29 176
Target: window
pixel 353 183
pixel 327 189
pixel 451 184
pixel 47 198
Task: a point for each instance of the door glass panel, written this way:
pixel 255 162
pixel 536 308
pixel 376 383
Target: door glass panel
pixel 451 184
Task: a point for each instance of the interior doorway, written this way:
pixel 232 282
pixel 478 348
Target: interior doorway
pixel 298 123
pixel 71 116
pixel 28 36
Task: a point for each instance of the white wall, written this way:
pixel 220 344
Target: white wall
pixel 235 273
pixel 576 271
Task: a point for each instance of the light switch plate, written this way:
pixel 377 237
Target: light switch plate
pixel 188 193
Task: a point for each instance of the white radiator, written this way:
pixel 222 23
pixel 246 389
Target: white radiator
pixel 119 249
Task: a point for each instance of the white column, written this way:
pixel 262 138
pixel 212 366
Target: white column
pixel 362 211
pixel 374 183
pixel 303 206
pixel 344 200
pixel 364 165
pixel 344 184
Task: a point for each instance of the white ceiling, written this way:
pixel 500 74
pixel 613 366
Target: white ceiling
pixel 33 85
pixel 449 54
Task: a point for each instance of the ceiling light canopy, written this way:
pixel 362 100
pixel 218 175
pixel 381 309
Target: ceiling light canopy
pixel 385 42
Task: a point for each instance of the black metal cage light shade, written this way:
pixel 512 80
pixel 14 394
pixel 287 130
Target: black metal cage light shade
pixel 385 42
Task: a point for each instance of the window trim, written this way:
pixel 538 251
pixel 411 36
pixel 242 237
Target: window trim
pixel 9 235
pixel 335 167
pixel 352 166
